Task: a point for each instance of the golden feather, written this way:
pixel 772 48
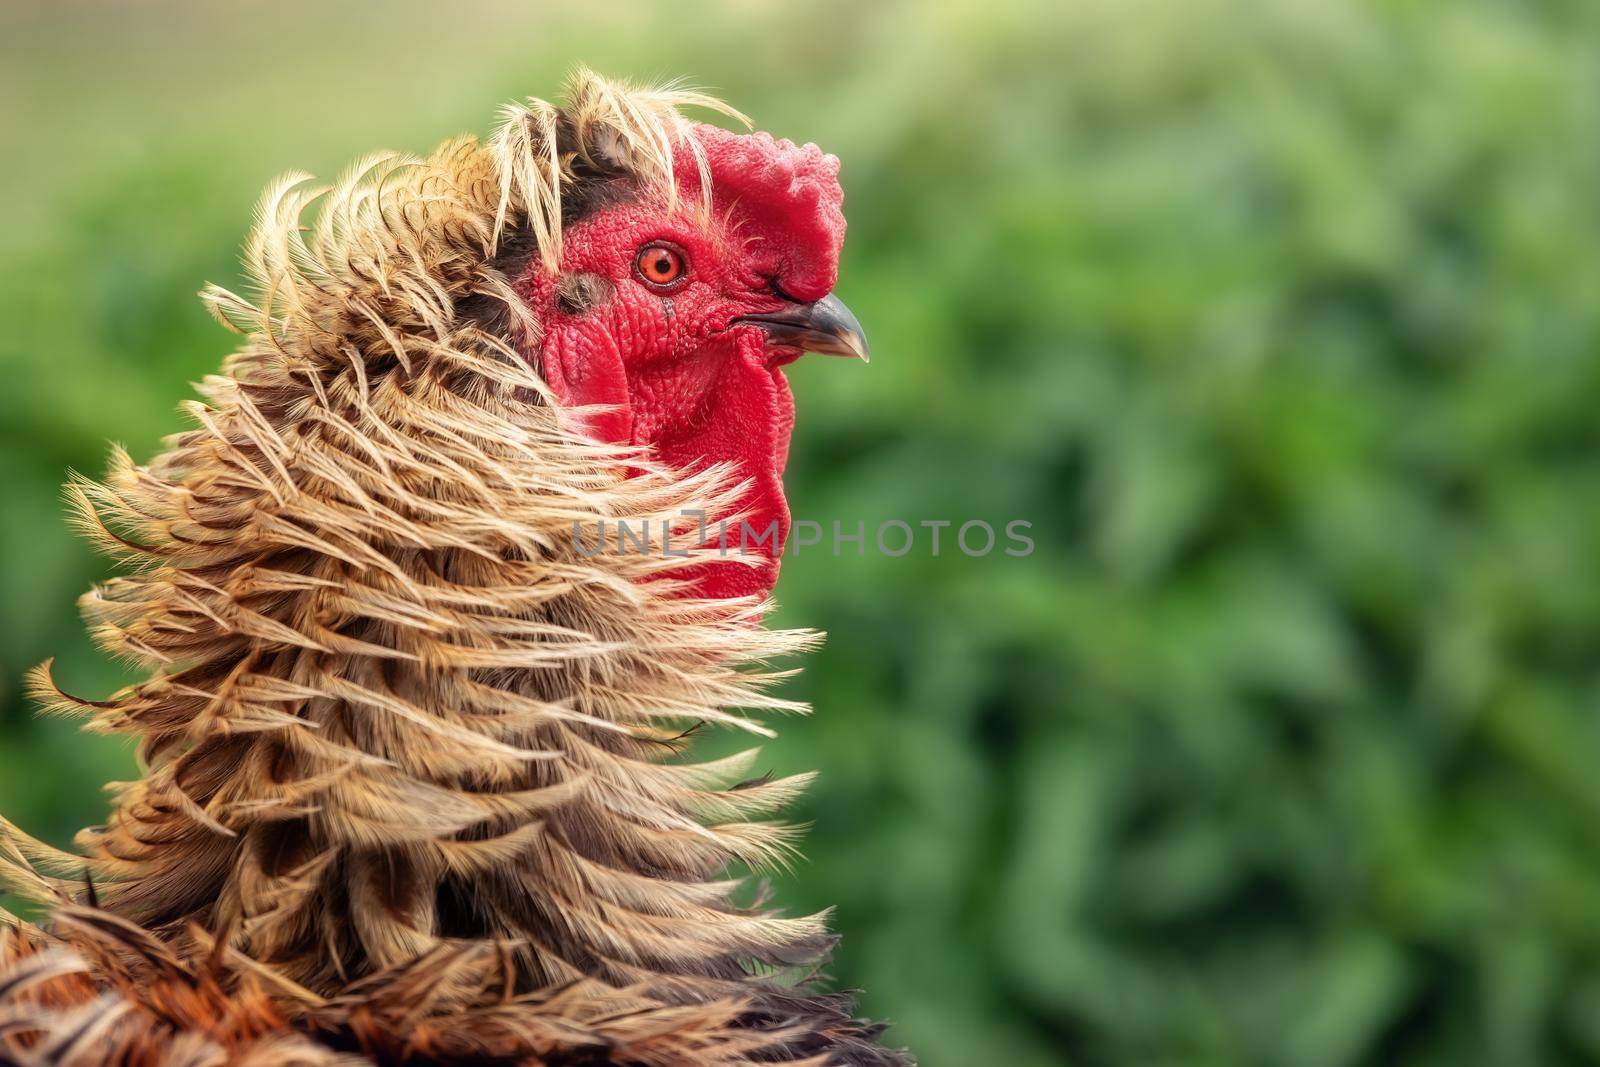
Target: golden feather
pixel 412 783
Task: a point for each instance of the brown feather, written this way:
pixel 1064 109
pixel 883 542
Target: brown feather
pixel 405 798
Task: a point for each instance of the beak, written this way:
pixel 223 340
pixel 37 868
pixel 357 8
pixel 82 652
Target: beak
pixel 825 326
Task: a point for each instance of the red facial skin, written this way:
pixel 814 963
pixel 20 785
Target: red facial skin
pixel 682 377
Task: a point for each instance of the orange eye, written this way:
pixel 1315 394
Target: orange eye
pixel 659 264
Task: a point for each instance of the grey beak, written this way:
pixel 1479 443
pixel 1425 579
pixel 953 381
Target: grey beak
pixel 826 326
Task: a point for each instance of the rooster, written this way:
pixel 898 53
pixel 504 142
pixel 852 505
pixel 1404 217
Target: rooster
pixel 412 731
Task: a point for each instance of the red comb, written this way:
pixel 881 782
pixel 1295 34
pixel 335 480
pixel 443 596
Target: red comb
pixel 786 202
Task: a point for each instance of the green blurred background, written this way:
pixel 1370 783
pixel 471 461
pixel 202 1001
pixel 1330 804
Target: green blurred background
pixel 1280 322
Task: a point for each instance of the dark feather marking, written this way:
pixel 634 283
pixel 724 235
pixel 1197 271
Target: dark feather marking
pixel 577 293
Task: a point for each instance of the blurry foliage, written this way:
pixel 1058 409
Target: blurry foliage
pixel 1278 320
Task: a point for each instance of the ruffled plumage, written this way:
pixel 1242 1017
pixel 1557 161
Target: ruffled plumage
pixel 413 783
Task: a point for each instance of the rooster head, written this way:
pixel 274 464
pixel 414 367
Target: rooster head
pixel 671 308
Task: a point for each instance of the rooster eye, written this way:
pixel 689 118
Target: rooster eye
pixel 660 265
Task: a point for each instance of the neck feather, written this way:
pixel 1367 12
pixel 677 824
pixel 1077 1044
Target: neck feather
pixel 394 703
